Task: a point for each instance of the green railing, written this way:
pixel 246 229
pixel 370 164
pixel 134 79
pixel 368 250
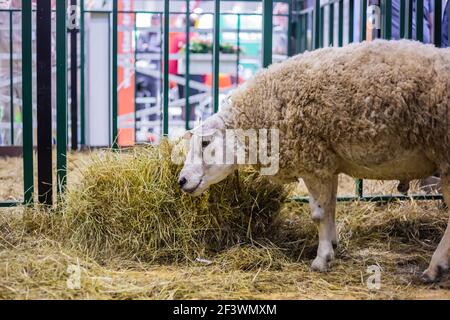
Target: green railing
pixel 306 31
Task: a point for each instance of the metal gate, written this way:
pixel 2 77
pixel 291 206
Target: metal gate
pixel 326 23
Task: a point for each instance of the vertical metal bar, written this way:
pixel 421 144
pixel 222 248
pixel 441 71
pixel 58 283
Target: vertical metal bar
pixel 387 20
pixel 166 69
pixel 363 21
pixel 289 30
pixel 82 77
pixel 331 25
pixel 299 34
pixel 437 23
pixel 61 95
pixel 238 45
pixel 316 27
pixel 267 32
pixel 187 110
pixel 114 81
pixel 216 55
pixel 44 100
pixel 27 101
pixel 321 26
pixel 11 76
pixel 419 20
pixel 448 28
pixel 341 23
pixel 408 19
pixel 351 20
pixel 74 83
pixel 402 18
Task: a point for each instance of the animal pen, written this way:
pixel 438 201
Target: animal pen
pixel 80 33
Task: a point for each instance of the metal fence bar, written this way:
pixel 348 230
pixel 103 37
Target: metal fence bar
pixel 419 20
pixel 216 53
pixel 166 69
pixel 387 20
pixel 375 198
pixel 61 96
pixel 82 76
pixel 238 45
pixel 437 28
pixel 11 76
pixel 341 23
pixel 44 98
pixel 331 24
pixel 289 31
pixel 321 26
pixel 316 27
pixel 351 20
pixel 402 18
pixel 408 19
pixel 27 101
pixel 114 81
pixel 187 93
pixel 363 20
pixel 267 32
pixel 74 82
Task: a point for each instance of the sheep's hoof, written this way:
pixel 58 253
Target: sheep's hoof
pixel 319 264
pixel 433 274
pixel 335 243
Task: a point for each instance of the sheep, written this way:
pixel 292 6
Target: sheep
pixel 371 110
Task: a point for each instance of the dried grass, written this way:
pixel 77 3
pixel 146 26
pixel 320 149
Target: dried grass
pixel 135 236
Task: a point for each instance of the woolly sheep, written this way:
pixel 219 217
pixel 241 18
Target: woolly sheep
pixel 375 110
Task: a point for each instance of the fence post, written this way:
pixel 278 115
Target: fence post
pixel 317 24
pixel 363 20
pixel 61 96
pixel 216 55
pixel 82 77
pixel 44 100
pixel 267 32
pixel 114 83
pixel 11 77
pixel 351 20
pixel 166 69
pixel 419 20
pixel 187 108
pixel 74 80
pixel 437 23
pixel 341 23
pixel 27 101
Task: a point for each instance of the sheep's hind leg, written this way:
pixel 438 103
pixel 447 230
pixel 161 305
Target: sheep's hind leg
pixel 440 260
pixel 322 194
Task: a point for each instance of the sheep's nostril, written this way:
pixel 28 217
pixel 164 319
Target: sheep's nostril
pixel 182 182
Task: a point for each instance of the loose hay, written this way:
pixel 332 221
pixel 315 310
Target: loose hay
pixel 128 205
pixel 248 248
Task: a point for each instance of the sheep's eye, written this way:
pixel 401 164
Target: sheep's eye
pixel 205 143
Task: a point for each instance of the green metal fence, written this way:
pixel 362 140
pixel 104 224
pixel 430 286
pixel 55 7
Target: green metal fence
pixel 325 23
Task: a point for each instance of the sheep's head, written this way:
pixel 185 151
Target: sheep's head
pixel 208 161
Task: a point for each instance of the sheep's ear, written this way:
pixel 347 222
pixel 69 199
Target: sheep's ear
pixel 187 135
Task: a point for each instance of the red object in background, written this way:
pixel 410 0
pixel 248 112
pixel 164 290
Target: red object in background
pixel 126 74
pixel 224 80
pixel 176 41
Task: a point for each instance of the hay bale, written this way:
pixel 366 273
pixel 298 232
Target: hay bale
pixel 128 205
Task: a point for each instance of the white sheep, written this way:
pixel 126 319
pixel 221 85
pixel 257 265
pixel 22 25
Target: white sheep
pixel 375 110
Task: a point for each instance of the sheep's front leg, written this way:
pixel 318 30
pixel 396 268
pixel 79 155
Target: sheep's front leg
pixel 322 193
pixel 441 257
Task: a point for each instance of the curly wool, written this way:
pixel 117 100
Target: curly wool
pixel 336 103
